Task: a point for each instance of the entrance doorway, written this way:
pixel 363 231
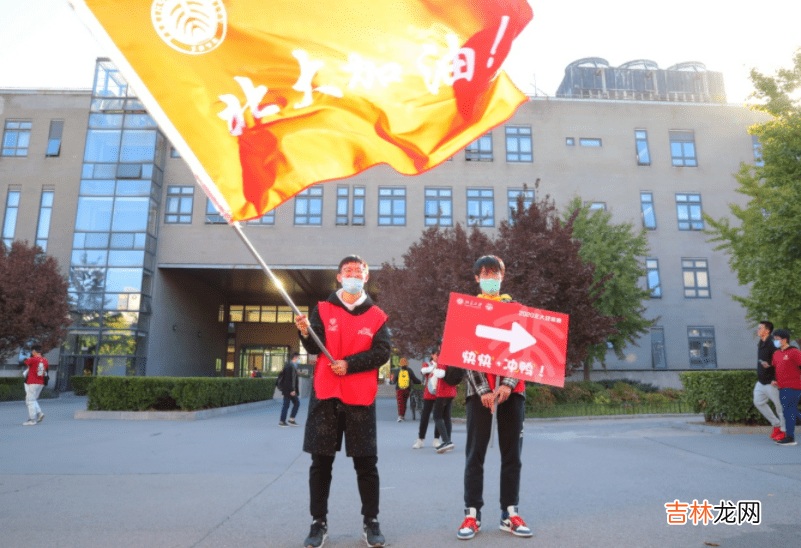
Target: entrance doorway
pixel 269 360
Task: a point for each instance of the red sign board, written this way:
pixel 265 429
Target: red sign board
pixel 506 339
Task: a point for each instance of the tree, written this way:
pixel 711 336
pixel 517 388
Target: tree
pixel 765 242
pixel 543 270
pixel 34 305
pixel 616 251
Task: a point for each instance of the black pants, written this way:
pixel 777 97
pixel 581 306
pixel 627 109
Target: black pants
pixel 320 484
pixel 295 401
pixel 428 405
pixel 510 441
pixel 442 417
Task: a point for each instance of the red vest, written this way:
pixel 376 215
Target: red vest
pixel 445 390
pixel 346 335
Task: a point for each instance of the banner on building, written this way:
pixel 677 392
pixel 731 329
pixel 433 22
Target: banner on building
pixel 264 99
pixel 506 339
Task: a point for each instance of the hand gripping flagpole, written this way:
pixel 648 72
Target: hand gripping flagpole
pixel 287 299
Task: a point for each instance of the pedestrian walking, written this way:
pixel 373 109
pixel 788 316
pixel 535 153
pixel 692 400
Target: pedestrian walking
pixel 34 383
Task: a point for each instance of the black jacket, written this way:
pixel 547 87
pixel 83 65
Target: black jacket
pixel 328 418
pixel 765 350
pixel 289 380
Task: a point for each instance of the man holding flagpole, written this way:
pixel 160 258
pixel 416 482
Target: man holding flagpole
pixel 354 332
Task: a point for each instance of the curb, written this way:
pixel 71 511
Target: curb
pixel 700 427
pixel 171 415
pixel 604 417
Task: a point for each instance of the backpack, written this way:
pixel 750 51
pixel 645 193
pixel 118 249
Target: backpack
pixel 454 375
pixel 279 381
pixel 403 379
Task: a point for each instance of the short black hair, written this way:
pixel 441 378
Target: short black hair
pixel 490 263
pixel 293 355
pixel 782 334
pixel 37 348
pixel 352 259
pixel 768 325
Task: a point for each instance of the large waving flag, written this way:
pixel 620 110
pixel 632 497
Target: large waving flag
pixel 265 98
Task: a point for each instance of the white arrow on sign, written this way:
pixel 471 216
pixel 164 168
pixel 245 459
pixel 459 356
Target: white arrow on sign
pixel 518 338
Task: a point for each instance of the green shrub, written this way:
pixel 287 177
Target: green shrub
pixel 539 396
pixel 602 397
pixel 623 392
pixel 725 396
pixel 654 399
pixel 12 389
pixel 644 387
pixel 672 394
pixel 6 393
pixel 573 392
pixel 173 393
pixel 80 384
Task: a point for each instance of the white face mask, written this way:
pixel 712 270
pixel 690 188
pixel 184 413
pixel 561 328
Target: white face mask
pixel 777 344
pixel 353 286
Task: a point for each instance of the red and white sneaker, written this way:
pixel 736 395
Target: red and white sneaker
pixel 780 436
pixel 512 523
pixel 776 431
pixel 471 524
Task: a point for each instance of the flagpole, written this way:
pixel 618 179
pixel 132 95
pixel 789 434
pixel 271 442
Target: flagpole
pixel 287 299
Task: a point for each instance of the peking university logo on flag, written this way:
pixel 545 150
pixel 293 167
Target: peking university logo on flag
pixel 190 27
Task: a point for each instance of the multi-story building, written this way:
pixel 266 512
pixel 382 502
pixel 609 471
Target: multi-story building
pixel 162 286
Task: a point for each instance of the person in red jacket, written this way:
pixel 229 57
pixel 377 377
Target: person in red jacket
pixel 490 396
pixel 787 363
pixel 442 408
pixel 429 398
pixel 34 383
pixel 342 403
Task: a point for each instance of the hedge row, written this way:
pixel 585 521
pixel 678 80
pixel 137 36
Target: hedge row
pixel 12 389
pixel 722 396
pixel 80 384
pixel 174 393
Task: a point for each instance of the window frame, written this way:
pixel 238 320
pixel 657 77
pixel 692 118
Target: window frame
pixel 11 209
pixel 638 139
pixel 643 209
pixel 655 291
pixel 394 195
pixel 14 126
pixel 686 200
pixel 517 134
pixel 53 140
pixel 511 201
pixel 759 161
pixel 185 192
pixel 213 217
pixel 590 142
pixel 480 199
pixel 683 139
pixel 702 362
pixel 42 237
pixel 480 150
pixel 309 196
pixel 694 269
pixel 437 195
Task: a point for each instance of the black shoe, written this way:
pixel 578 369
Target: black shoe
pixel 317 534
pixel 292 422
pixel 786 441
pixel 372 533
pixel 283 423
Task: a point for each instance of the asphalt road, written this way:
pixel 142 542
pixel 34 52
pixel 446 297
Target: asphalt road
pixel 241 481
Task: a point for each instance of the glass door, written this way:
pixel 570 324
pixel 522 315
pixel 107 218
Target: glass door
pixel 269 360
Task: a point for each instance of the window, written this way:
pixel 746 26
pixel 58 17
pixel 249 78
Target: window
pixel 570 141
pixel 682 148
pixel 758 161
pixel 480 207
pixel 345 205
pixel 17 137
pixel 54 138
pixel 518 144
pixel 641 141
pixel 596 206
pixel 688 211
pixel 268 219
pixel 309 207
pixel 179 204
pixel 658 358
pixel 696 278
pixel 213 216
pixel 392 206
pixel 647 206
pixel 439 207
pixel 45 213
pixel 10 221
pixel 701 342
pixel 652 275
pixel 174 152
pixel 589 142
pixel 260 314
pixel 512 195
pixel 480 150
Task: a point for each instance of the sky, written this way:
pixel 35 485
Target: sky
pixel 44 45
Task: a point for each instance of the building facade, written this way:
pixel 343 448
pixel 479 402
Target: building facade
pixel 162 286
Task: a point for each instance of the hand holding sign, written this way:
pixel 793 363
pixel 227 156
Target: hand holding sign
pixel 505 339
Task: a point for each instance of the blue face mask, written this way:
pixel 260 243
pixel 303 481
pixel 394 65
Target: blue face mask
pixel 353 286
pixel 489 286
pixel 777 344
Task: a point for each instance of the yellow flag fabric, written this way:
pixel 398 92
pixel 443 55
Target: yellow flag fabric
pixel 267 98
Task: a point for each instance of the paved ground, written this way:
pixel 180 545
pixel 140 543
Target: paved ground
pixel 240 481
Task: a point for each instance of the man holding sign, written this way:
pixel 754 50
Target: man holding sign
pixel 489 394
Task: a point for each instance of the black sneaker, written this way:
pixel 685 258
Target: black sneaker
pixel 786 441
pixel 445 447
pixel 283 423
pixel 292 422
pixel 372 533
pixel 317 534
